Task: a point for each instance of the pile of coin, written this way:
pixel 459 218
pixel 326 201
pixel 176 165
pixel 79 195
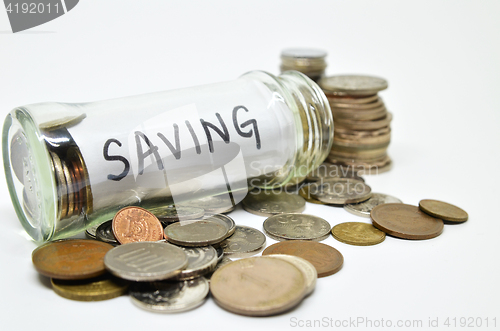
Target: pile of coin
pixel 310 62
pixel 362 130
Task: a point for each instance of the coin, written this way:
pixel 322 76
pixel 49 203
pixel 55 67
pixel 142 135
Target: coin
pixel 220 252
pixel 364 208
pixel 351 99
pixel 357 233
pixel 258 286
pixel 201 260
pixel 353 84
pixel 309 271
pixel 268 203
pixel 220 264
pixel 245 241
pixel 170 297
pixel 225 221
pixel 405 221
pixel 341 191
pixel 91 232
pixel 71 258
pixel 105 233
pixel 365 125
pixel 175 213
pixel 132 224
pixel 304 192
pixel 62 187
pixel 326 259
pixel 104 287
pixel 443 210
pixel 145 261
pixel 195 233
pixel 211 204
pixel 296 226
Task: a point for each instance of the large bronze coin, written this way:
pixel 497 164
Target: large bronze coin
pixel 405 221
pixel 443 210
pixel 326 259
pixel 133 224
pixel 71 259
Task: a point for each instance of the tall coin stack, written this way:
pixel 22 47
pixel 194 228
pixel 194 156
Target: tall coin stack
pixel 308 61
pixel 362 123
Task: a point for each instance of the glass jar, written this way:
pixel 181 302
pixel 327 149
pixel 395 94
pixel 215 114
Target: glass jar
pixel 72 166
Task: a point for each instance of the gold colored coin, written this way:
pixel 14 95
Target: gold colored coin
pixel 445 211
pixel 94 289
pixel 357 233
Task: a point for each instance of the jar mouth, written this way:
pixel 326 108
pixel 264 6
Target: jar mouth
pixel 28 174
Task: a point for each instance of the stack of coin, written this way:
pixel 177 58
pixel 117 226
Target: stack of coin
pixel 310 62
pixel 362 124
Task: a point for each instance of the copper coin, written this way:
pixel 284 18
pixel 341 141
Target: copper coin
pixel 71 259
pixel 326 259
pixel 405 221
pixel 133 224
pixel 445 211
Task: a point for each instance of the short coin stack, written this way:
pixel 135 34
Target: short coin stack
pixel 310 62
pixel 362 124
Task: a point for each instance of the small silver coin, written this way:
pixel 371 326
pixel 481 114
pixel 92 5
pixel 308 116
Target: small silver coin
pixel 104 233
pixel 223 220
pixel 268 202
pixel 212 204
pixel 174 213
pixel 364 208
pixel 296 227
pixel 145 261
pixel 91 232
pixel 245 241
pixel 201 260
pixel 195 233
pixel 309 271
pixel 340 191
pixel 170 297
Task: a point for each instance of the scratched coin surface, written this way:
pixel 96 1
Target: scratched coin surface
pixel 309 271
pixel 296 226
pixel 246 241
pixel 268 203
pixel 258 286
pixel 357 233
pixel 326 259
pixel 104 287
pixel 146 261
pixel 175 213
pixel 105 233
pixel 223 220
pixel 132 224
pixel 353 84
pixel 340 191
pixel 364 208
pixel 71 258
pixel 201 260
pixel 170 297
pixel 443 210
pixel 405 221
pixel 195 233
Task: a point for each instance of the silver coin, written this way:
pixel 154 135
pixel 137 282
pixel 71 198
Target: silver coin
pixel 309 271
pixel 105 233
pixel 91 232
pixel 268 202
pixel 175 213
pixel 195 233
pixel 341 191
pixel 296 227
pixel 245 241
pixel 328 170
pixel 212 204
pixel 201 260
pixel 221 263
pixel 223 220
pixel 364 208
pixel 353 84
pixel 145 261
pixel 170 297
pixel 308 53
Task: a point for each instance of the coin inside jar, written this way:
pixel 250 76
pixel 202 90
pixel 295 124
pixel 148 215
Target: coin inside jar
pixel 195 233
pixel 405 221
pixel 296 226
pixel 258 286
pixel 341 191
pixel 445 211
pixel 269 202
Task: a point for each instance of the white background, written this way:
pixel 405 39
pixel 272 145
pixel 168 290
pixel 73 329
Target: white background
pixel 442 61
